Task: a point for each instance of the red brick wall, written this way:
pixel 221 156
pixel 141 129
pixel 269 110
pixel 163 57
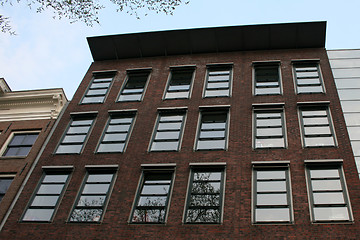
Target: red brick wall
pixel 237 209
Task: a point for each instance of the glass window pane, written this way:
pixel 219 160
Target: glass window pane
pixel 347 83
pixel 272 186
pixel 217 93
pixel 331 214
pixel 317 130
pixel 268 122
pixel 148 215
pixel 74 139
pixel 5 184
pixel 50 189
pixel 96 188
pixel 354 133
pixel 152 201
pixel 165 146
pixel 169 126
pixel 111 137
pixel 204 200
pixel 91 201
pixel 155 189
pixel 171 118
pixel 220 125
pixel 350 106
pixel 134 97
pixel 55 178
pixel 111 147
pixel 329 198
pixel 69 149
pixel 81 122
pixel 100 177
pixel 272 214
pixel 38 215
pixel 167 135
pixel 212 134
pixel 326 185
pixel 205 187
pixel 46 201
pixel 214 144
pixel 352 119
pixel 324 173
pixel 204 176
pixel 203 215
pixel 349 94
pixel 319 141
pixel 78 129
pixel 86 215
pixel 269 132
pixel 270 174
pixel 270 143
pixel 118 128
pixel 272 199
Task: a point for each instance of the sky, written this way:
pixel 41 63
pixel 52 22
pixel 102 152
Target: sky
pixel 50 53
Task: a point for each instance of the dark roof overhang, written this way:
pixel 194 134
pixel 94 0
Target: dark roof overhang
pixel 209 40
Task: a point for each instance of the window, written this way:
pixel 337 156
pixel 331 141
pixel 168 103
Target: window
pixel 168 131
pixel 153 196
pixel 135 85
pixel 316 126
pixel 5 182
pixel 20 144
pixel 328 196
pixel 93 197
pixel 117 132
pixel 46 197
pixel 212 133
pixel 76 135
pixel 218 81
pixel 179 83
pixel 271 194
pixel 267 78
pixel 269 127
pixel 98 88
pixel 308 77
pixel 205 195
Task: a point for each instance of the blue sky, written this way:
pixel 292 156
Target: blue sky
pixel 49 53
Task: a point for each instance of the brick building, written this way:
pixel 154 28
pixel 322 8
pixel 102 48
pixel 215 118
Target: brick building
pixel 230 132
pixel 26 119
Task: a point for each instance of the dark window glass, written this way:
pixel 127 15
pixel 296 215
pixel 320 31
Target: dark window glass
pixel 179 83
pixel 116 134
pixel 98 88
pixel 269 129
pixel 134 87
pixel 4 186
pixel 46 198
pixel 317 129
pixel 218 81
pixel 267 79
pixel 20 145
pixel 205 196
pixel 153 197
pixel 212 133
pixel 91 202
pixel 308 78
pixel 168 131
pixel 75 136
pixel 271 195
pixel 328 197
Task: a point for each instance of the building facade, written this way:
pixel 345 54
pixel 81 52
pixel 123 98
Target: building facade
pixel 345 65
pixel 26 119
pixel 215 133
